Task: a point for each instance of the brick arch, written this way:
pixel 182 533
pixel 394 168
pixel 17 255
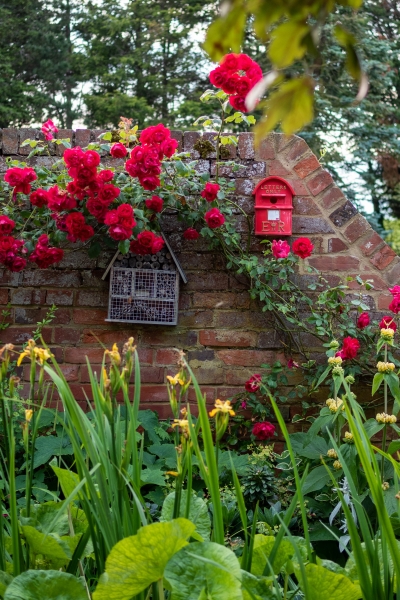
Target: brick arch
pixel 225 335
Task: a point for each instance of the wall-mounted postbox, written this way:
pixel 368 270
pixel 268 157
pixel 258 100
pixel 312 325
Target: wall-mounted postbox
pixel 273 207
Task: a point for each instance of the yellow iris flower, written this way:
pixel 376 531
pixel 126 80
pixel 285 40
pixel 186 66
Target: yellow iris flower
pixel 222 407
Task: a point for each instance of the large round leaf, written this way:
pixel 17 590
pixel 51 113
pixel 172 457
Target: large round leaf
pixel 45 585
pixel 198 512
pixel 324 584
pixel 263 545
pixel 204 570
pixel 139 560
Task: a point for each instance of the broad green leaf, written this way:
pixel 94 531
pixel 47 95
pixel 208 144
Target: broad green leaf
pixel 260 587
pixel 351 565
pixel 5 580
pixel 42 518
pixel 49 446
pixel 225 34
pixel 316 480
pixel 393 447
pixel 204 570
pixel 198 513
pixel 139 560
pixel 152 475
pixel 50 545
pixel 287 43
pixel 314 450
pixel 378 378
pixel 324 584
pixel 68 479
pixel 391 502
pixel 318 532
pixel 45 585
pixel 372 427
pixel 263 545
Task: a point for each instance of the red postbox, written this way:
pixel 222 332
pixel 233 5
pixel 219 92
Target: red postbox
pixel 274 206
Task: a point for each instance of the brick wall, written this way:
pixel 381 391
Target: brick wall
pixel 224 333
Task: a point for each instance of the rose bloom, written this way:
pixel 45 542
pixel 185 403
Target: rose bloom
pixel 168 147
pixel 243 86
pixel 60 200
pixel 91 159
pixel 394 306
pixel 263 431
pixel 231 84
pixel 39 198
pixel 238 103
pixel 108 192
pixel 6 225
pixel 105 175
pixel 118 150
pixel 350 348
pixel 218 77
pixel 155 203
pixel 48 128
pixel 17 264
pixel 230 62
pixel 43 255
pixel 157 245
pixel 97 208
pixel 363 320
pixel 210 191
pixel 156 134
pixel 77 228
pixel 302 247
pixel 20 179
pixel 214 218
pixel 291 364
pixel 191 234
pixel 146 239
pixel 83 176
pixel 395 290
pixel 388 323
pixel 280 249
pixel 149 182
pixel 253 384
pixel 73 157
pixel 120 232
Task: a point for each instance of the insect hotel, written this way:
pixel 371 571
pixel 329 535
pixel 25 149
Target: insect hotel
pixel 145 289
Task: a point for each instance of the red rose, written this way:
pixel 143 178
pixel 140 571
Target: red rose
pixel 388 323
pixel 155 134
pixel 238 103
pixel 105 175
pixel 263 431
pixel 146 239
pixel 350 348
pixel 395 290
pixel 20 179
pixel 43 255
pixel 60 221
pixel 168 147
pixel 291 364
pixel 243 86
pixel 73 157
pixel 363 320
pixel 39 198
pixel 157 245
pixel 97 208
pixel 60 200
pixel 191 234
pixel 6 225
pixel 394 306
pixel 302 247
pixel 18 263
pixel 280 249
pixel 77 228
pixel 254 73
pixel 6 244
pixel 253 384
pixel 214 218
pixel 108 193
pixel 218 77
pixel 119 232
pixel 48 128
pixel 210 192
pixel 118 150
pixel 155 203
pixel 91 159
pixel 149 182
pixel 245 62
pixel 231 84
pixel 230 62
pixel 83 176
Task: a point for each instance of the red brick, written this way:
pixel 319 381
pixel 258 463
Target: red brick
pixel 334 263
pixel 277 169
pixel 357 228
pixel 393 276
pixel 369 245
pixel 317 184
pixel 107 337
pixel 299 187
pixel 383 257
pixel 306 166
pixel 266 149
pixel 377 281
pixel 20 296
pixel 78 355
pixel 70 372
pixel 208 392
pixel 153 393
pixel 177 339
pixel 305 206
pixel 228 392
pixel 167 356
pixel 63 134
pixel 145 355
pixel 213 299
pixel 245 358
pixel 195 318
pixel 54 278
pixel 336 245
pixel 20 335
pixel 60 298
pixel 67 335
pixel 222 337
pixel 163 410
pixel 209 374
pixel 311 225
pixel 93 299
pixel 82 137
pixel 246 145
pixel 332 197
pixel 384 301
pixel 89 316
pixel 244 187
pixel 38 296
pixel 3 296
pixel 296 149
pixel 238 376
pixel 207 281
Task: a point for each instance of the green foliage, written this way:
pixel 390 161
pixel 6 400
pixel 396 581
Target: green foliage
pixel 258 485
pixel 45 585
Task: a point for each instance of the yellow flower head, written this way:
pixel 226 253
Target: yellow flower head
pixel 335 360
pixel 385 486
pixel 176 379
pixel 385 367
pixel 348 437
pixel 334 405
pixel 337 465
pixel 387 334
pixel 31 350
pixel 222 407
pixel 385 418
pixel 128 346
pixel 182 423
pixel 114 355
pixel 331 453
pixel 28 415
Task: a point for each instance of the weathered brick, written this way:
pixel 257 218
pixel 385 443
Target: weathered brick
pixel 332 197
pixel 383 257
pixel 77 260
pixel 209 374
pixel 9 279
pixel 213 299
pixel 26 316
pixel 238 376
pixel 246 145
pixel 10 140
pixel 357 228
pixel 26 134
pixel 336 245
pixel 244 187
pixel 94 316
pixel 167 356
pixel 306 166
pixel 233 319
pixel 178 136
pixel 311 225
pixel 70 372
pixel 276 168
pixel 78 355
pixel 20 296
pixel 189 140
pixel 60 298
pixel 334 263
pixel 268 339
pixel 369 245
pixel 198 357
pixel 393 277
pixel 319 182
pixel 227 338
pixel 266 149
pixel 376 281
pixel 245 358
pixel 67 335
pixel 195 318
pixel 20 335
pixel 176 339
pixel 384 301
pixel 82 137
pixel 305 206
pixel 153 393
pixel 63 134
pixel 207 281
pixel 107 337
pixel 92 299
pixel 38 296
pixel 297 149
pixel 53 278
pixel 344 213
